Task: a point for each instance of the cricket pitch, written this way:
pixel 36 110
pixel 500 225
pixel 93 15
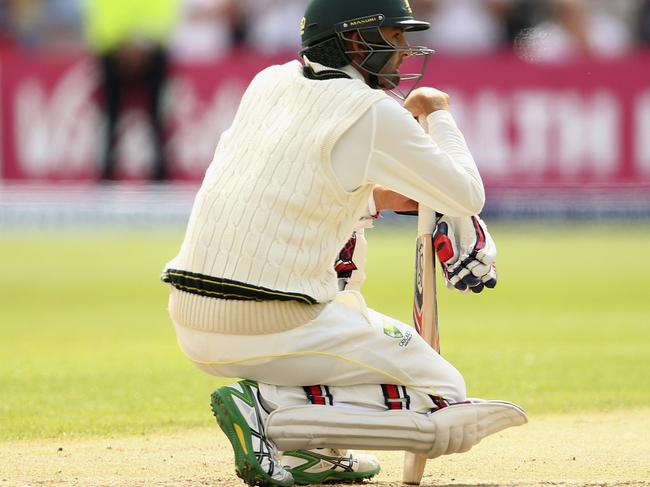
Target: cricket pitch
pixel 603 449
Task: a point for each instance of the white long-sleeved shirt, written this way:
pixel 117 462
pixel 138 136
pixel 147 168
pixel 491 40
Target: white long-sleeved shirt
pixel 388 147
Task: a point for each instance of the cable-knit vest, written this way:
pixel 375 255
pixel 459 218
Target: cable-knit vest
pixel 270 211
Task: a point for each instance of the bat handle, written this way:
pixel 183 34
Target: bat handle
pixel 426 216
pixel 426 220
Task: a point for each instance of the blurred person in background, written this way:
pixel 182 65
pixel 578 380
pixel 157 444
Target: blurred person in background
pixel 63 24
pixel 265 24
pixel 644 22
pixel 6 37
pixel 463 27
pixel 129 38
pixel 55 25
pixel 522 16
pixel 203 32
pixel 575 28
pixel 24 18
pixel 625 10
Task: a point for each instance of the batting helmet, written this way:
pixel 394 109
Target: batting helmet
pixel 327 24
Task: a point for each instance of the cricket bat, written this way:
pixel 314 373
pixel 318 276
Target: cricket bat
pixel 425 315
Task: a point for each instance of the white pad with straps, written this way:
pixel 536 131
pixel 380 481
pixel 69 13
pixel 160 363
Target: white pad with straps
pixel 453 429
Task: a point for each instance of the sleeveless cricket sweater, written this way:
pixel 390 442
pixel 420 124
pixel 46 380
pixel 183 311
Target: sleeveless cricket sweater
pixel 271 216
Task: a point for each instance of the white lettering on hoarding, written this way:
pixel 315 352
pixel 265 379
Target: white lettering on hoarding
pixel 61 132
pixel 57 132
pixel 532 125
pixel 524 133
pixel 532 133
pixel 587 133
pixel 134 150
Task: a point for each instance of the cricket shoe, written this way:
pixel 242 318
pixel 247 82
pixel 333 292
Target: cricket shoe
pixel 327 464
pixel 241 417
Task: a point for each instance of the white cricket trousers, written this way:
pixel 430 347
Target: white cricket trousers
pixel 348 347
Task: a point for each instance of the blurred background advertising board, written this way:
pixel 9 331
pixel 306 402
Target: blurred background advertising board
pixel 52 124
pixel 543 125
pixel 587 122
pixel 101 96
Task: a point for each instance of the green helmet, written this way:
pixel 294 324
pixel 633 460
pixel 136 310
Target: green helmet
pixel 324 18
pixel 327 27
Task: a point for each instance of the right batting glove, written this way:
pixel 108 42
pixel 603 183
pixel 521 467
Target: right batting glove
pixel 466 252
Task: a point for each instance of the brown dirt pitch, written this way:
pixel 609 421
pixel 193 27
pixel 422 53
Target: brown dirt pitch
pixel 604 449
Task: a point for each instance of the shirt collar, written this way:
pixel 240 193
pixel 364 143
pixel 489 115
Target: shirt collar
pixel 347 69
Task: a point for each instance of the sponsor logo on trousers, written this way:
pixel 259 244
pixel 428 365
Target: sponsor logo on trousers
pixel 406 340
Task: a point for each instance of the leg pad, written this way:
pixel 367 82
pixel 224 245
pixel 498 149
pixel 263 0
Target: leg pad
pixel 453 429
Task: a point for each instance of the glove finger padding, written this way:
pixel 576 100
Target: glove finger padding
pixel 490 279
pixel 478 268
pixel 466 252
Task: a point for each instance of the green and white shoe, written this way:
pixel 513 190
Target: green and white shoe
pixel 327 464
pixel 241 417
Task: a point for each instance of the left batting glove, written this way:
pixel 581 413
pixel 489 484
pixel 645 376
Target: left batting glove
pixel 350 265
pixel 466 252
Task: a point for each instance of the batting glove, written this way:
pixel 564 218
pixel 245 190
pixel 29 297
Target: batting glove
pixel 350 265
pixel 466 252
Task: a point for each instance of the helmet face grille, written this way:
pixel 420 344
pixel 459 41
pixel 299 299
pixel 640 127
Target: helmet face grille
pixel 378 52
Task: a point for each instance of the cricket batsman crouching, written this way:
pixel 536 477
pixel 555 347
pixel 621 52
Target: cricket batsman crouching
pixel 316 150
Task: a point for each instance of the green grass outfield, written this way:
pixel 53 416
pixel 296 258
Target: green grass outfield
pixel 86 347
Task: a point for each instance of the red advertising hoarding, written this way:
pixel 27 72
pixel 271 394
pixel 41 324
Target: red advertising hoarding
pixel 575 125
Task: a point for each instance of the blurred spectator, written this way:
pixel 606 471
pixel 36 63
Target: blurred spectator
pixel 203 32
pixel 626 10
pixel 208 29
pixel 63 24
pixel 130 39
pixel 576 28
pixel 51 24
pixel 25 20
pixel 463 26
pixel 523 15
pixel 644 22
pixel 272 26
pixel 6 37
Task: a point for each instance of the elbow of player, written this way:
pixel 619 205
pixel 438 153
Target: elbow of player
pixel 476 199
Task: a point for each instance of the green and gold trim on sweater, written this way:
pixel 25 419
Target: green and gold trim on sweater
pixel 216 287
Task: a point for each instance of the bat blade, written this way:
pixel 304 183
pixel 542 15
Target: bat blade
pixel 425 316
pixel 413 468
pixel 425 308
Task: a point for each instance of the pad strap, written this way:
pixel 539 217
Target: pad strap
pixel 396 397
pixel 439 402
pixel 319 395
